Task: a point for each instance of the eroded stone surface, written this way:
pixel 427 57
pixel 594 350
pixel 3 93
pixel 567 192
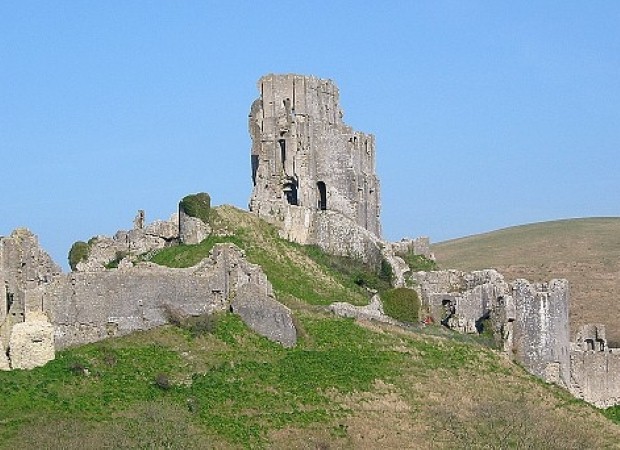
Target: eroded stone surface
pixel 372 311
pixel 192 230
pixel 595 367
pixel 265 315
pixel 129 245
pixel 307 163
pixel 32 343
pixel 4 360
pixel 90 306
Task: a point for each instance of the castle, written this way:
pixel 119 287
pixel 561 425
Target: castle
pixel 313 177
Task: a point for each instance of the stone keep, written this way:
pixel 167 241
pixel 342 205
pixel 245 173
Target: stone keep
pixel 313 175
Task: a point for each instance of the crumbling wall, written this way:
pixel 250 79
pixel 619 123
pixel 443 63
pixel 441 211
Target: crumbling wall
pixel 23 266
pixel 142 239
pixel 541 329
pixel 461 300
pixel 90 306
pixel 595 368
pixel 192 230
pixel 306 161
pixel 417 246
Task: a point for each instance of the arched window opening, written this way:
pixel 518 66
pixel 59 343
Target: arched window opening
pixel 322 204
pixel 290 192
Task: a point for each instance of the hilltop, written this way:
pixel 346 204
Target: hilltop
pixel 584 251
pixel 212 383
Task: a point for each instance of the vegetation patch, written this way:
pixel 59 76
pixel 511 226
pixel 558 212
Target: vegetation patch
pixel 79 252
pixel 189 255
pixel 197 205
pixel 351 270
pixel 401 304
pixel 120 255
pixel 419 263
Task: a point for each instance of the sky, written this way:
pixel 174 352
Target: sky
pixel 486 114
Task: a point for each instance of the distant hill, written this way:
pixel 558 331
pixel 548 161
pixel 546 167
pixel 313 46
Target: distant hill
pixel 584 251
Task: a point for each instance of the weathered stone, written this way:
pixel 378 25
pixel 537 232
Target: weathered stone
pixel 90 306
pixel 458 299
pixel 306 164
pixel 32 343
pixel 265 315
pixel 541 333
pixel 372 311
pixel 144 238
pixel 192 230
pixel 595 368
pixel 4 360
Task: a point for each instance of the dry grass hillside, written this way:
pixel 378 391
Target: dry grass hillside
pixel 584 251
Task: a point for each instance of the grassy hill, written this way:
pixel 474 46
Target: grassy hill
pixel 215 384
pixel 584 251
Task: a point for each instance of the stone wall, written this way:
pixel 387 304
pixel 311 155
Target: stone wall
pixel 90 306
pixel 306 160
pixel 530 320
pixel 595 368
pixel 541 329
pixel 142 239
pixel 461 300
pixel 23 266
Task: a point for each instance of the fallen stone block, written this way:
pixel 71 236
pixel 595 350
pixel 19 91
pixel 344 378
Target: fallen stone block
pixel 264 315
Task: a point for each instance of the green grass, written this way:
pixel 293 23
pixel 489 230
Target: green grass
pixel 189 255
pixel 251 386
pixel 419 263
pixel 215 384
pixel 305 273
pixel 233 388
pixel 401 304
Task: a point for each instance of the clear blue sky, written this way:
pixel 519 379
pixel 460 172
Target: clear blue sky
pixel 486 114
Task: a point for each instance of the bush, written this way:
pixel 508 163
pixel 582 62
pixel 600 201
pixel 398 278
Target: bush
pixel 78 253
pixel 401 304
pixel 197 205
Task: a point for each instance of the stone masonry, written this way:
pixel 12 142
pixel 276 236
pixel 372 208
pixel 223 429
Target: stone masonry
pixel 45 310
pixel 530 320
pixel 595 368
pixel 24 266
pixel 313 175
pixel 90 306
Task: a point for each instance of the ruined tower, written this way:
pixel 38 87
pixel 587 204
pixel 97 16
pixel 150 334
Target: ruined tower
pixel 313 175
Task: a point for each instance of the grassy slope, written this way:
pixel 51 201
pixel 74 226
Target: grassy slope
pixel 346 385
pixel 584 251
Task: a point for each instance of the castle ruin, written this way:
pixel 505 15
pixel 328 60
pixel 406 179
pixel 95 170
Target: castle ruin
pixel 314 177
